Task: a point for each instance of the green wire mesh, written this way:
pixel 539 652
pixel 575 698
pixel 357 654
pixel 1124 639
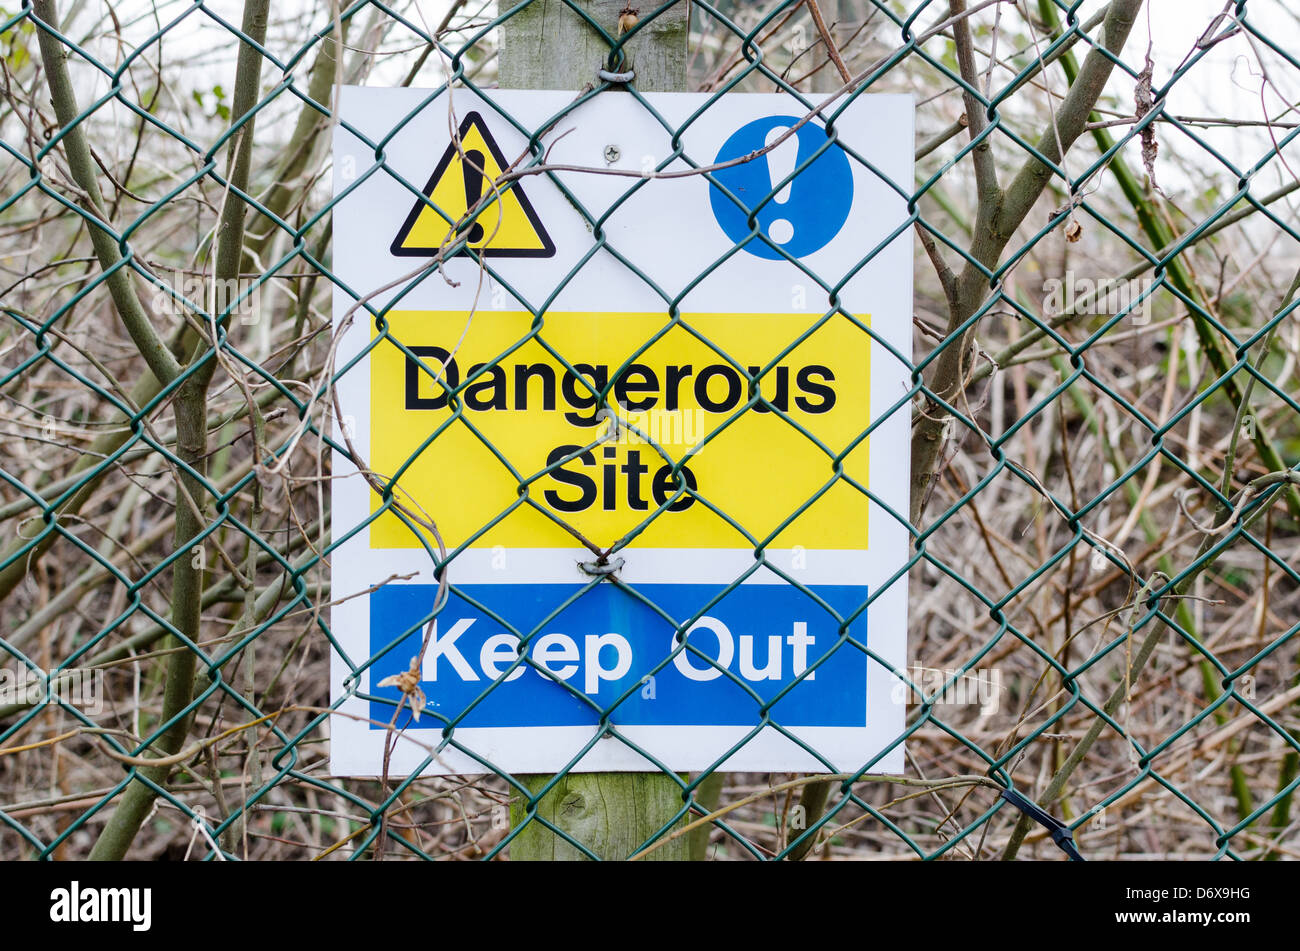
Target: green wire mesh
pixel 1103 576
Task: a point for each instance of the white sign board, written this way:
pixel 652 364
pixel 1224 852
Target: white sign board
pixel 642 422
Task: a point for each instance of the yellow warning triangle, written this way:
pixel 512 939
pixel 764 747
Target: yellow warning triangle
pixel 505 226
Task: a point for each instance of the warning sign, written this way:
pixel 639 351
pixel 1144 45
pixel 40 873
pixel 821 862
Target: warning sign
pixel 671 446
pixel 505 224
pixel 653 434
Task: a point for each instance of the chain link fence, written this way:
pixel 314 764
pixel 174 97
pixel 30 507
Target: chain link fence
pixel 1105 469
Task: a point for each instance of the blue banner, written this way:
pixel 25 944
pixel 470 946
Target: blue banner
pixel 606 643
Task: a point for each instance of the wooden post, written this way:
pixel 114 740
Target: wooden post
pixel 548 46
pixel 837 14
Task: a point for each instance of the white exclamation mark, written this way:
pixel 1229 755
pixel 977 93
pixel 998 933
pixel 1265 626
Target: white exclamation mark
pixel 780 163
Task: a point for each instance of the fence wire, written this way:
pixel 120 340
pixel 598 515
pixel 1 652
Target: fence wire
pixel 1106 449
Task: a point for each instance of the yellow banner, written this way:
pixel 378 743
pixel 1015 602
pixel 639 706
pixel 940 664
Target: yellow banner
pixel 679 394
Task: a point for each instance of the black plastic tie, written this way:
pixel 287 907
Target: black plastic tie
pixel 1061 834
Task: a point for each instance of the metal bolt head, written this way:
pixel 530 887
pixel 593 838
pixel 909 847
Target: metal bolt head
pixel 612 154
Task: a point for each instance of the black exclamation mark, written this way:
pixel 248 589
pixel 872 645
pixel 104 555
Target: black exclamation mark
pixel 473 166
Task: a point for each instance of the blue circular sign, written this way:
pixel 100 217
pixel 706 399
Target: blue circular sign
pixel 804 216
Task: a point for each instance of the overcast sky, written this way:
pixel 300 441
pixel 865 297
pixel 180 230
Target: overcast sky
pixel 1226 82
